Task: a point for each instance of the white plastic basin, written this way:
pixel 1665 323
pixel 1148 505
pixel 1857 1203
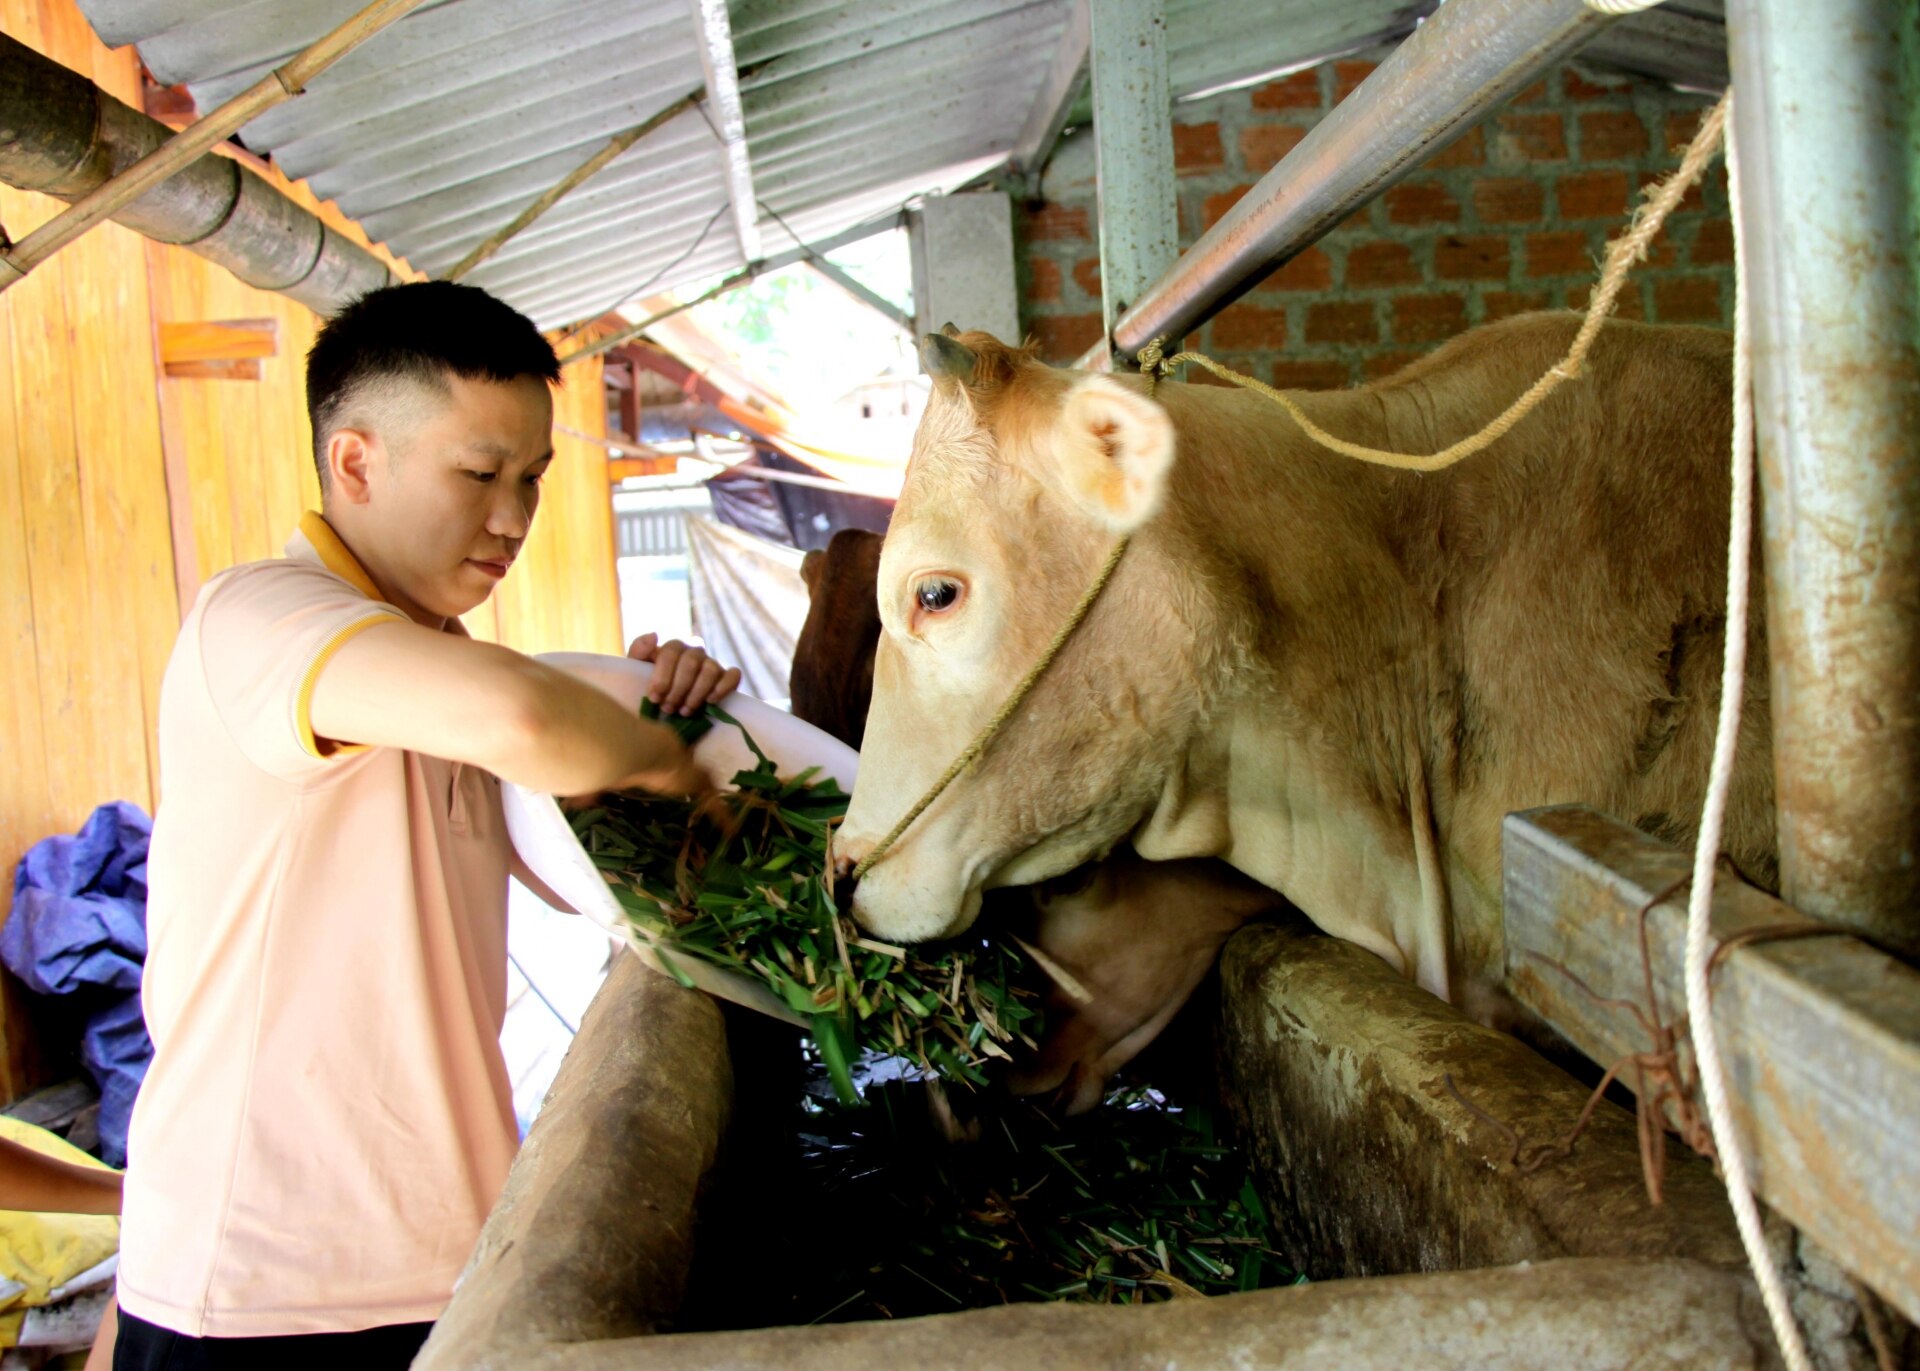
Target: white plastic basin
pixel 545 841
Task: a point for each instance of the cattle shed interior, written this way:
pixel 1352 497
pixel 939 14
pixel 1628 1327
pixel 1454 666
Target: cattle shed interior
pixel 1315 194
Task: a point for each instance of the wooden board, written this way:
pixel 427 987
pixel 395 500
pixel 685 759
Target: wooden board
pixel 1821 1035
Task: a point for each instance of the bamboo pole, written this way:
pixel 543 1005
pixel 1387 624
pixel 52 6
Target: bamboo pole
pixel 618 144
pixel 276 87
pixel 627 335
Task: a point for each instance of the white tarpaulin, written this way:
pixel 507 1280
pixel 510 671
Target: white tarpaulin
pixel 749 603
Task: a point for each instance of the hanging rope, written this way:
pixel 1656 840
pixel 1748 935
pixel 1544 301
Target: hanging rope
pixel 1733 675
pixel 1622 254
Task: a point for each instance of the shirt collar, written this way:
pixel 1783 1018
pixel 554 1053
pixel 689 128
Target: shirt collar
pixel 316 535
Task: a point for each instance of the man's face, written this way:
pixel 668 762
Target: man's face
pixel 453 498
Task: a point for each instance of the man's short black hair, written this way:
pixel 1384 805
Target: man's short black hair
pixel 421 332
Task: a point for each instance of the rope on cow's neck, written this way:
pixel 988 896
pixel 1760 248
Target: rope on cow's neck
pixel 1622 254
pixel 1006 711
pixel 1630 248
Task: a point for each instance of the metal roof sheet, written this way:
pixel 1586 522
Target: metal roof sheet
pixel 436 133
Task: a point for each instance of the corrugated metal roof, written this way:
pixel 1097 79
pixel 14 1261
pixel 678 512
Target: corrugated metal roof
pixel 439 131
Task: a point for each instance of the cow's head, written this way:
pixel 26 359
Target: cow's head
pixel 1021 479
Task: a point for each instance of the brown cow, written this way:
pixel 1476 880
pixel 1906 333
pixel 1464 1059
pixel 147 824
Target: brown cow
pixel 1337 677
pixel 1137 937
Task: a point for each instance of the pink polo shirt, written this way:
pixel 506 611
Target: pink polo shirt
pixel 328 1118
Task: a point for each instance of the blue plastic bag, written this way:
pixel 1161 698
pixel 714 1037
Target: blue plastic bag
pixel 79 928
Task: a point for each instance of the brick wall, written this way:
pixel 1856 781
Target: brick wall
pixel 1511 218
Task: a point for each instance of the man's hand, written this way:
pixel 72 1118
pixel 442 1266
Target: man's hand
pixel 684 678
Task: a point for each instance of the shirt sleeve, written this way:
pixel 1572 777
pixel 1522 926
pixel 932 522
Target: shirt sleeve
pixel 266 634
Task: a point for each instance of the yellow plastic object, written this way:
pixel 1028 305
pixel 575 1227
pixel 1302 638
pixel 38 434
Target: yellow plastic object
pixel 41 1252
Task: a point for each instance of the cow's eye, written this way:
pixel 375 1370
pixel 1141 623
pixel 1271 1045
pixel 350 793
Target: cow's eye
pixel 937 597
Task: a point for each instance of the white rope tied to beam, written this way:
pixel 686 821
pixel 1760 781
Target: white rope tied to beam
pixel 1733 675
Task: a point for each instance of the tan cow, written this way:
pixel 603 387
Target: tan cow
pixel 1336 677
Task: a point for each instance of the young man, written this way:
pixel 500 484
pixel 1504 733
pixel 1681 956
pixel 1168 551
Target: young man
pixel 328 1119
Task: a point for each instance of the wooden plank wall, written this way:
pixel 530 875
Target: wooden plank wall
pixel 122 490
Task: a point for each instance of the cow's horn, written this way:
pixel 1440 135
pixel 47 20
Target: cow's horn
pixel 941 356
pixel 951 329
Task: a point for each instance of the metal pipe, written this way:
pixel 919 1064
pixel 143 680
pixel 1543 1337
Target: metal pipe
pixel 1827 125
pixel 63 136
pixel 129 183
pixel 1133 150
pixel 723 99
pixel 1464 61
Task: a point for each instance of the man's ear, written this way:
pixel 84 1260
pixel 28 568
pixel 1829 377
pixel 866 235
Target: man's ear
pixel 350 456
pixel 1114 449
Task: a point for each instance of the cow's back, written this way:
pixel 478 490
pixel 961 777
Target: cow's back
pixel 832 679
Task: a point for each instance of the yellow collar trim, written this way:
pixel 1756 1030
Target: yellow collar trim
pixel 335 556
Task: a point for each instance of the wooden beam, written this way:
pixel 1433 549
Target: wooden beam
pixel 1820 1031
pixel 218 340
pixel 616 145
pixel 276 87
pixel 867 296
pixel 229 369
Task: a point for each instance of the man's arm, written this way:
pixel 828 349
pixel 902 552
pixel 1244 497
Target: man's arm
pixel 402 685
pixel 33 1180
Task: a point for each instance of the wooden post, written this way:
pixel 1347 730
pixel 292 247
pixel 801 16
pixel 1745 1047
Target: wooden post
pixel 276 87
pixel 1133 136
pixel 1820 1032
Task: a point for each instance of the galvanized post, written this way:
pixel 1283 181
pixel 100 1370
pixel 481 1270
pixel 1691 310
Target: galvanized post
pixel 1825 123
pixel 1133 139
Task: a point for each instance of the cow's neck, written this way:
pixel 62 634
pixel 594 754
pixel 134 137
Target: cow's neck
pixel 1311 772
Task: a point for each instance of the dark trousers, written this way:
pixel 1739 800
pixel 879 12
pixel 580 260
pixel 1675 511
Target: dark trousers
pixel 144 1346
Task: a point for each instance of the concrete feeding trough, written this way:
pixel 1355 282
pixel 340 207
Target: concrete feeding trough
pixel 1381 1124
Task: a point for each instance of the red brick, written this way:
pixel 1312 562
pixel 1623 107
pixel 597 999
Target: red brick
pixel 1682 127
pixel 1248 327
pixel 1579 87
pixel 1713 245
pixel 1509 200
pixel 1428 318
pixel 1687 300
pixel 1381 264
pixel 1469 150
pixel 1662 252
pixel 1503 304
pixel 1533 137
pixel 1593 195
pixel 1295 375
pixel 1298 91
pixel 1311 270
pixel 1347 77
pixel 1608 135
pixel 1063 337
pixel 1216 205
pixel 1043 281
pixel 1483 257
pixel 1532 95
pixel 1342 321
pixel 1628 306
pixel 1558 254
pixel 1086 275
pixel 1197 148
pixel 1421 202
pixel 1054 223
pixel 1262 145
pixel 1694 199
pixel 1384 364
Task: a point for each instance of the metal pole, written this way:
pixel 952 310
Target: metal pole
pixel 1133 139
pixel 1467 58
pixel 1826 122
pixel 723 99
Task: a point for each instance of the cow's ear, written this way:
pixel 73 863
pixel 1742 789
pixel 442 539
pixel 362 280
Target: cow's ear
pixel 1114 447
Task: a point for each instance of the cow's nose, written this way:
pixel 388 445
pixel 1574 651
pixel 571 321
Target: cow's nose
pixel 844 858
